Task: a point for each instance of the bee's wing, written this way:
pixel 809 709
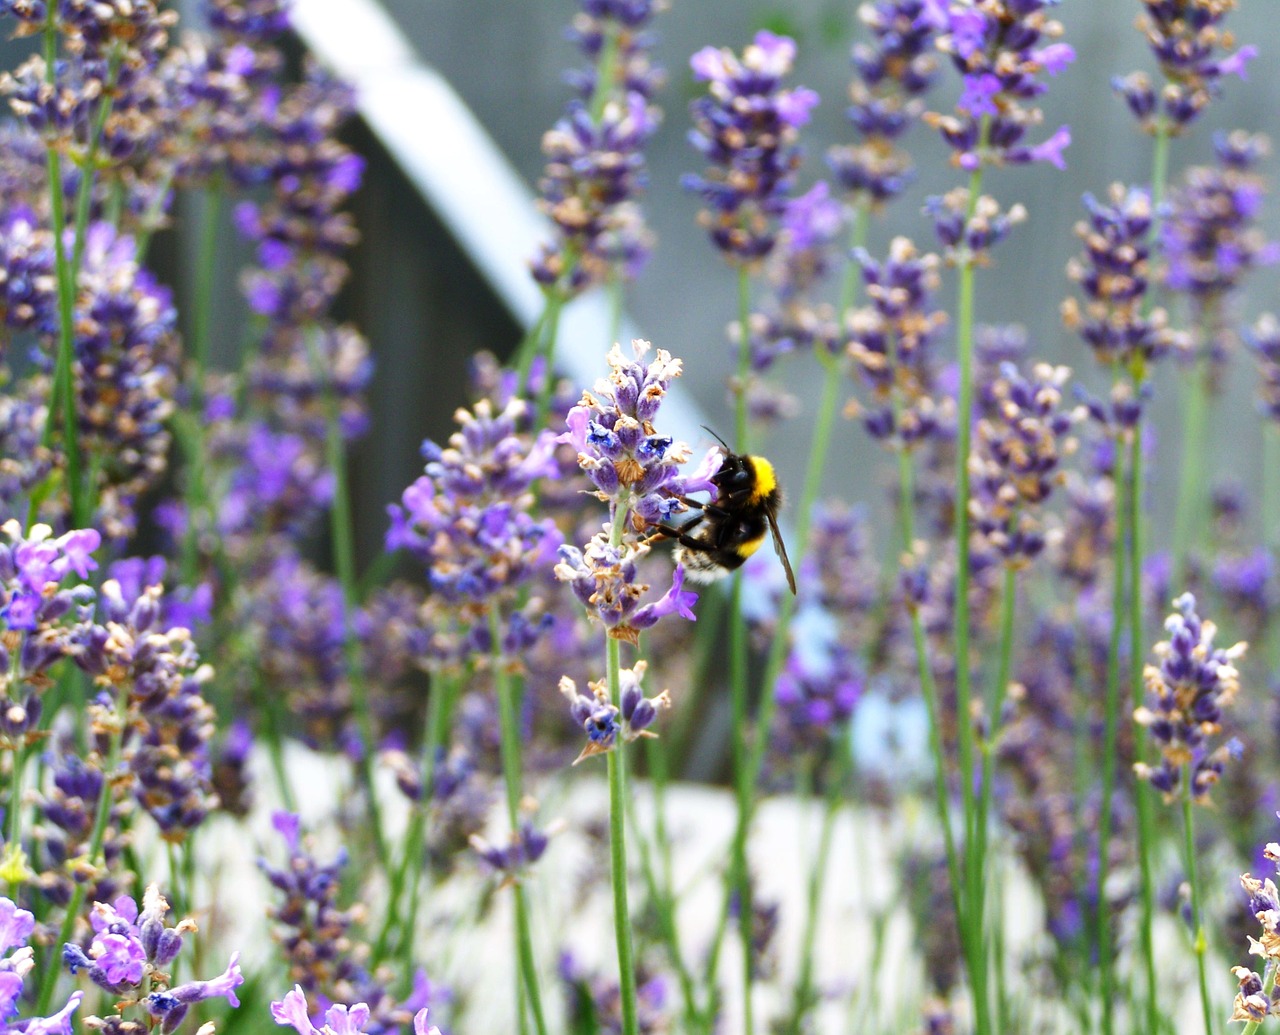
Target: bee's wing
pixel 782 553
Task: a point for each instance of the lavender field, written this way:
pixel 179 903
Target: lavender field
pixel 993 720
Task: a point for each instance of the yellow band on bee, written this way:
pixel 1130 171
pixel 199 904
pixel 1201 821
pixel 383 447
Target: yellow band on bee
pixel 746 549
pixel 766 481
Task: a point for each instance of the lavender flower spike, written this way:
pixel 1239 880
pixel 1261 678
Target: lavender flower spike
pixel 604 722
pixel 1187 691
pixel 291 1012
pixel 747 128
pixel 1253 1004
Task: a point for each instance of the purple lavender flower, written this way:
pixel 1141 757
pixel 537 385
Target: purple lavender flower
pixel 1015 459
pixel 1114 274
pixel 746 128
pixel 595 168
pixel 969 236
pixel 16 928
pixel 604 722
pixel 130 949
pixel 152 676
pixel 816 698
pixel 893 71
pixel 1254 1004
pixel 292 1012
pixel 890 343
pixel 1187 691
pixel 1000 47
pixel 248 21
pixel 1263 339
pixel 626 24
pixel 637 472
pixel 1211 238
pixel 1189 43
pixel 525 847
pixel 317 938
pixel 634 469
pixel 467 519
pixel 789 320
pixel 594 1000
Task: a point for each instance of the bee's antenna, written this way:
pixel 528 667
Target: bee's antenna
pixel 717 438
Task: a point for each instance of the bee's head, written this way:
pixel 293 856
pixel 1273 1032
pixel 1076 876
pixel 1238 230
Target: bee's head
pixel 746 479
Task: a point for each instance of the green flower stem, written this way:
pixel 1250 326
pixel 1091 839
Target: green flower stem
pixel 744 781
pixel 1271 485
pixel 202 318
pixel 153 218
pixel 275 744
pixel 94 853
pixel 342 535
pixel 194 439
pixel 1268 986
pixel 1137 645
pixel 89 165
pixel 1110 747
pixel 662 896
pixel 1189 518
pixel 408 874
pixel 805 998
pixel 1142 792
pixel 62 401
pixel 617 821
pixel 743 786
pixel 1200 943
pixel 995 705
pixel 973 867
pixel 509 722
pixel 547 350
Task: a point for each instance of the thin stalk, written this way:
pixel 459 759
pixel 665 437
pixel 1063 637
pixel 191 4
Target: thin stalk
pixel 412 863
pixel 509 722
pixel 1008 609
pixel 744 778
pixel 618 874
pixel 62 402
pixel 663 900
pixel 1271 485
pixel 1141 791
pixel 999 689
pixel 805 999
pixel 275 746
pixel 202 318
pixel 151 221
pixel 1189 516
pixel 1271 521
pixel 522 357
pixel 1110 747
pixel 342 535
pixel 964 719
pixel 1200 940
pixel 547 350
pixel 743 785
pixel 1137 648
pixel 929 688
pixel 1268 986
pixel 618 845
pixel 194 440
pixel 84 195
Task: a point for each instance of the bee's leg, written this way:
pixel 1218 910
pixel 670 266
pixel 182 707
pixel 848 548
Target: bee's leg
pixel 680 535
pixel 706 508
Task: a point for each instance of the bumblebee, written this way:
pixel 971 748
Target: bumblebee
pixel 731 527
